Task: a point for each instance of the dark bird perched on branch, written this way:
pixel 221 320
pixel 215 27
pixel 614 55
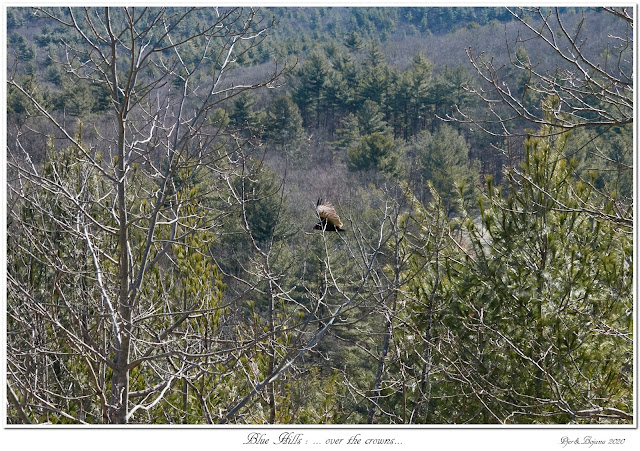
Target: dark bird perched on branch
pixel 329 219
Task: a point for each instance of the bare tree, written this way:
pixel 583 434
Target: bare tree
pixel 116 230
pixel 585 87
pixel 302 310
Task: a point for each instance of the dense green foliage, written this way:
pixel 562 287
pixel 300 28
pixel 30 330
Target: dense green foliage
pixel 484 277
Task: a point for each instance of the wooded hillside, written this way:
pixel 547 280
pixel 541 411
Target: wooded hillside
pixel 164 166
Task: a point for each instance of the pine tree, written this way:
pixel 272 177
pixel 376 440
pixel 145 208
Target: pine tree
pixel 441 158
pixel 310 94
pixel 242 116
pixel 544 286
pixel 421 80
pixel 375 152
pixel 370 118
pixel 349 134
pixel 283 123
pixel 354 42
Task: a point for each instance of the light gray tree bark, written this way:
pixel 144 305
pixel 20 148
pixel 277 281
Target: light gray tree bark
pixel 157 140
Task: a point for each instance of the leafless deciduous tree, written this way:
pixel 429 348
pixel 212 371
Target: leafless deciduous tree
pixel 111 301
pixel 584 88
pixel 299 310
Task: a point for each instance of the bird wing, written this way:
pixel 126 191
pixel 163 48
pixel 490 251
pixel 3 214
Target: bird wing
pixel 326 211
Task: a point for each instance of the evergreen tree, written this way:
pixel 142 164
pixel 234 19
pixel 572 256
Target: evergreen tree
pixel 376 85
pixel 242 116
pixel 375 55
pixel 448 91
pixel 349 134
pixel 542 284
pixel 441 158
pixel 421 79
pixel 344 84
pixel 370 118
pixel 521 316
pixel 375 152
pixel 402 116
pixel 354 41
pixel 310 94
pixel 283 124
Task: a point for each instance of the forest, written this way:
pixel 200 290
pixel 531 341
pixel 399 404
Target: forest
pixel 167 263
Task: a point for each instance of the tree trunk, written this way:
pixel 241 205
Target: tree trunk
pixel 383 355
pixel 120 379
pixel 272 355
